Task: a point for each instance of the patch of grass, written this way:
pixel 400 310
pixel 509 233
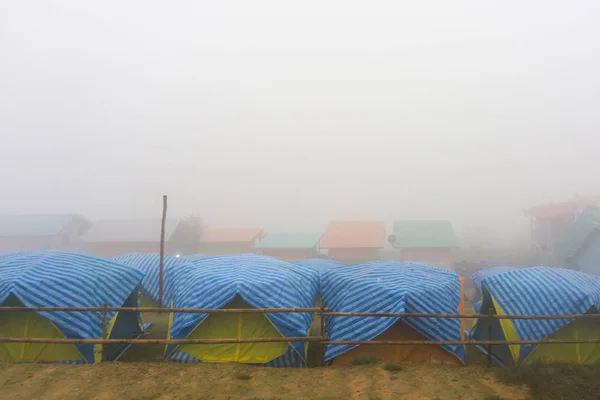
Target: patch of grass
pixel 393 367
pixel 364 360
pixel 493 397
pixel 555 381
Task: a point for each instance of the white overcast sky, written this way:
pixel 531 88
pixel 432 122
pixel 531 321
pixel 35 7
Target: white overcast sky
pixel 287 114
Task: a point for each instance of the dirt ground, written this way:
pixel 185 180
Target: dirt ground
pixel 142 375
pixel 145 381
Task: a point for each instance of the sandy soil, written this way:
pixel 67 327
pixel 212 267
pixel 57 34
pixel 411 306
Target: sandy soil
pixel 145 381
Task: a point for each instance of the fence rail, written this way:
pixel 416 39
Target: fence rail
pixel 321 311
pixel 163 310
pixel 322 339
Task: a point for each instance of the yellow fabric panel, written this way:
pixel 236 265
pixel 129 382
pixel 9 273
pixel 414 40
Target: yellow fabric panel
pixel 98 347
pixel 582 353
pixel 510 333
pixel 405 354
pixel 231 326
pixel 32 325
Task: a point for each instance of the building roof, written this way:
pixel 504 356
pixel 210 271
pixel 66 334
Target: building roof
pixel 586 224
pixel 68 279
pixel 229 235
pixel 149 264
pixel 34 224
pixel 132 230
pixel 391 287
pixel 354 234
pixel 554 210
pixel 285 240
pixel 411 234
pixel 541 291
pixel 263 282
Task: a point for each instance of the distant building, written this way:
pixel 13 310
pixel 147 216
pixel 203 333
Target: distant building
pixel 354 242
pixel 110 238
pixel 551 222
pixel 222 241
pixel 41 231
pixel 581 248
pixel 290 246
pixel 428 242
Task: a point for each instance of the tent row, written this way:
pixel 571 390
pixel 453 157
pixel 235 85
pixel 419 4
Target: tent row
pixel 61 279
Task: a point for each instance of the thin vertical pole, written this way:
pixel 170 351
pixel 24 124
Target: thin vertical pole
pixel 161 278
pixel 104 329
pixel 322 314
pixel 489 347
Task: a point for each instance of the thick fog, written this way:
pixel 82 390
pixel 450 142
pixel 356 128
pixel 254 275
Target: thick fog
pixel 285 115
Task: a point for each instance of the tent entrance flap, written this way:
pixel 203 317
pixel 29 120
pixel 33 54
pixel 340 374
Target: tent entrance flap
pixel 503 353
pixel 29 324
pixel 509 330
pixel 232 326
pixel 415 354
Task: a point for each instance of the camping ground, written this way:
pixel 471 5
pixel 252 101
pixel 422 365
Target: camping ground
pixel 170 381
pixel 142 376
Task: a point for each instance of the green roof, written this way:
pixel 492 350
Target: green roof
pixel 289 241
pixel 411 234
pixel 587 222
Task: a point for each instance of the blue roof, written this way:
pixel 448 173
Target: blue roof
pixel 319 263
pixel 391 287
pixel 68 279
pixel 584 227
pixel 542 291
pixel 262 282
pixel 480 275
pixel 194 257
pixel 149 264
pixel 34 224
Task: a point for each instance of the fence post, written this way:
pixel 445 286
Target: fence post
pixel 489 347
pixel 104 329
pixel 322 314
pixel 161 273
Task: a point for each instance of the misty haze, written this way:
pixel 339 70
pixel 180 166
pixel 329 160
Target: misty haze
pixel 288 116
pixel 334 158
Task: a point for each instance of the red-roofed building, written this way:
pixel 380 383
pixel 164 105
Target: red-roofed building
pixel 354 242
pixel 551 222
pixel 222 241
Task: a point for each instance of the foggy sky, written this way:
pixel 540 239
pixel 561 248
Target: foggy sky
pixel 287 114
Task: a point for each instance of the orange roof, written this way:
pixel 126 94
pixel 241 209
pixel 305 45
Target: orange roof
pixel 229 235
pixel 354 234
pixel 554 210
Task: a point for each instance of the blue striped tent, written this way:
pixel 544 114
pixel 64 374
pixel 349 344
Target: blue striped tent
pixel 243 281
pixel 149 264
pixel 321 264
pixel 194 257
pixel 391 287
pixel 541 291
pixel 480 275
pixel 65 279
